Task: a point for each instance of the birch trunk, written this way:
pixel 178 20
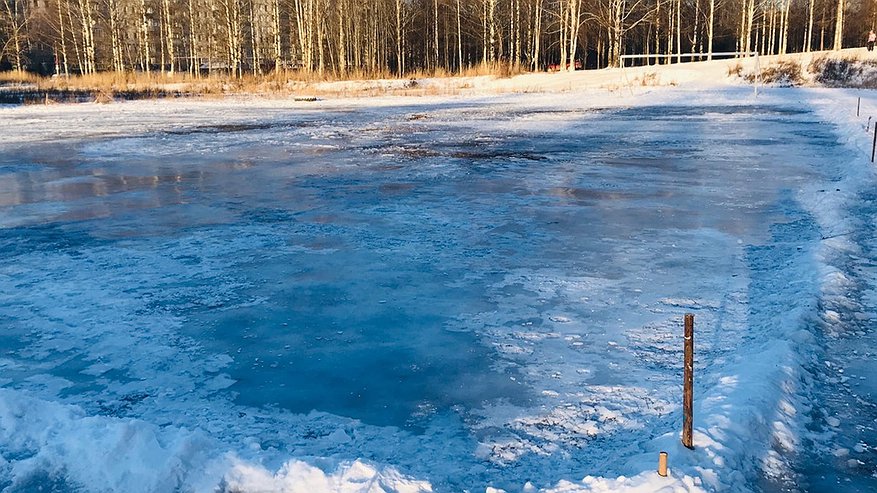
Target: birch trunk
pixel 169 35
pixel 695 39
pixel 711 29
pixel 87 21
pixel 679 31
pixel 492 22
pixel 16 25
pixel 564 20
pixel 537 35
pixel 784 40
pixel 574 16
pixel 518 56
pixel 79 62
pixel 400 51
pixel 144 37
pixel 435 39
pixel 750 11
pixel 255 39
pixel 459 38
pixel 63 39
pixel 808 34
pixel 193 46
pixel 342 37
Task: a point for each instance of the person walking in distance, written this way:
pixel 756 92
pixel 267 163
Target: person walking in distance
pixel 872 37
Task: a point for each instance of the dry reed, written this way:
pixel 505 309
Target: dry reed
pixel 275 83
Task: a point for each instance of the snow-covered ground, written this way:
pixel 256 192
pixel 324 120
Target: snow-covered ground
pixel 459 293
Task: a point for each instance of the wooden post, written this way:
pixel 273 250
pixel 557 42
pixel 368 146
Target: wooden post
pixel 688 384
pixel 662 464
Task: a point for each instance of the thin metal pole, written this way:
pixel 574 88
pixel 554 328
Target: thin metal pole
pixel 874 144
pixel 688 384
pixel 858 105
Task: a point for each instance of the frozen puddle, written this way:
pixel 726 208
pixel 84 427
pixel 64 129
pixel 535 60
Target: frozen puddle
pixel 462 293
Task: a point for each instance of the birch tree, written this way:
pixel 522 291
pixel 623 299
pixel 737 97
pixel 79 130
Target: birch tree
pixel 167 22
pixel 14 21
pixel 808 33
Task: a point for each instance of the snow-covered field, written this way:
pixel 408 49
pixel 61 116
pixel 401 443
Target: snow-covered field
pixel 439 293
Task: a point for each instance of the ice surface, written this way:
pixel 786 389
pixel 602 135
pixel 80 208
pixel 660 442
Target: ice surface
pixel 440 293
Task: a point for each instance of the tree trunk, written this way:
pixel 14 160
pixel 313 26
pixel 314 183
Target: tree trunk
pixel 63 39
pixel 400 51
pixel 87 21
pixel 711 29
pixel 808 34
pixel 518 54
pixel 169 35
pixel 694 42
pixel 537 35
pixel 276 35
pixel 575 8
pixel 16 25
pixel 255 39
pixel 491 13
pixel 193 48
pixel 784 41
pixel 144 37
pixel 679 31
pixel 459 39
pixel 435 39
pixel 342 37
pixel 750 14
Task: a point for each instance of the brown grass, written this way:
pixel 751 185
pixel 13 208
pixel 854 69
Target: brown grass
pixel 783 73
pixel 280 83
pixel 14 76
pixel 649 79
pixel 735 70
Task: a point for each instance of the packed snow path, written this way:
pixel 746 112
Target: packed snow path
pixel 459 293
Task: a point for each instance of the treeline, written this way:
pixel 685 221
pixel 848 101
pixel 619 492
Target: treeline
pixel 383 37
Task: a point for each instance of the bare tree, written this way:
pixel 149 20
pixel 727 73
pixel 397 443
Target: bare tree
pixel 14 21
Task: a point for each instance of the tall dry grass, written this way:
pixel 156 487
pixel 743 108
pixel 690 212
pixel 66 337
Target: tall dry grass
pixel 14 76
pixel 282 82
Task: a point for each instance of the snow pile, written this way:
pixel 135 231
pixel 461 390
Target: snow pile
pixel 43 440
pixel 299 477
pixel 647 482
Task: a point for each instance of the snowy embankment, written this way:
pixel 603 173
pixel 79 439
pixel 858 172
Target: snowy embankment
pixel 760 313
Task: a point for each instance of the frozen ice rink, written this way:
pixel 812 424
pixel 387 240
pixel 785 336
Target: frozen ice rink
pixel 433 293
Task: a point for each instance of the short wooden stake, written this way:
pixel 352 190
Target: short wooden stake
pixel 662 464
pixel 858 105
pixel 688 384
pixel 874 144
